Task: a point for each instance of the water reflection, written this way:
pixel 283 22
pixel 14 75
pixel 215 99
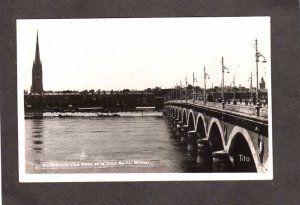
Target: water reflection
pixel 37 140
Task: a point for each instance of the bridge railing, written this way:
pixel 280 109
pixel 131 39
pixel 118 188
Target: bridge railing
pixel 240 108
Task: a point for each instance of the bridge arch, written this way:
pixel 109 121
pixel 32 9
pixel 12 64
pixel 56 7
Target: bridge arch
pixel 191 120
pixel 201 126
pixel 241 148
pixel 215 135
pixel 179 114
pixel 184 117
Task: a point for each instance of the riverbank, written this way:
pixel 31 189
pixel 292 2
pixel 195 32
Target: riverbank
pixel 98 114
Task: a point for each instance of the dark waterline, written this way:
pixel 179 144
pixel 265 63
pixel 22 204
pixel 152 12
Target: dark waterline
pixel 105 145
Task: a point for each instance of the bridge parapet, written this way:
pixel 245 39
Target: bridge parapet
pixel 244 109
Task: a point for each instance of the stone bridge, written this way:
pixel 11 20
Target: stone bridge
pixel 224 138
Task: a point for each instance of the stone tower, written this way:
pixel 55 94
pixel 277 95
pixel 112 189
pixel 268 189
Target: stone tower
pixel 37 72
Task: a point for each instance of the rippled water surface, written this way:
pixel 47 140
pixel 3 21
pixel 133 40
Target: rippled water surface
pixel 95 145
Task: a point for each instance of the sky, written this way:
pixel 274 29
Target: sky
pixel 140 53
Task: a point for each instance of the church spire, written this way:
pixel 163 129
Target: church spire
pixel 37 49
pixel 37 72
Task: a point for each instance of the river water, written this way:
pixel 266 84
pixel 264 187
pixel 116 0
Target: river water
pixel 90 144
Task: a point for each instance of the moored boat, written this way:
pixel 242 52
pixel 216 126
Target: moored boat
pixel 33 115
pixel 108 115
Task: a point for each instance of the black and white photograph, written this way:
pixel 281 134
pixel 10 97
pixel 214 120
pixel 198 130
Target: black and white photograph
pixel 144 99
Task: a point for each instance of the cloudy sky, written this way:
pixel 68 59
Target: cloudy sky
pixel 138 53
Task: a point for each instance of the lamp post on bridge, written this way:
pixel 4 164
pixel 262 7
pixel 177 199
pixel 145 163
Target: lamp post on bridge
pixel 186 89
pixel 251 91
pixel 175 91
pixel 234 90
pixel 257 56
pixel 180 92
pixel 194 80
pixel 223 69
pixel 205 75
pixel 174 94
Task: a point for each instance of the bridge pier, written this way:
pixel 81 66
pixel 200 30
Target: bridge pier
pixel 221 162
pixel 173 123
pixel 184 130
pixel 192 141
pixel 167 116
pixel 170 120
pixel 179 125
pixel 204 157
pixel 174 126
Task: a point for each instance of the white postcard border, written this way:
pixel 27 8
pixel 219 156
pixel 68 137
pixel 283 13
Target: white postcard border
pixel 131 177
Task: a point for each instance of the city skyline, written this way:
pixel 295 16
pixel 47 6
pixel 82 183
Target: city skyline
pixel 91 54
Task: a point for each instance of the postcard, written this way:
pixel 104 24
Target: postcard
pixel 144 99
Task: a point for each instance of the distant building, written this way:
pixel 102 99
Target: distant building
pixel 37 72
pixel 262 84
